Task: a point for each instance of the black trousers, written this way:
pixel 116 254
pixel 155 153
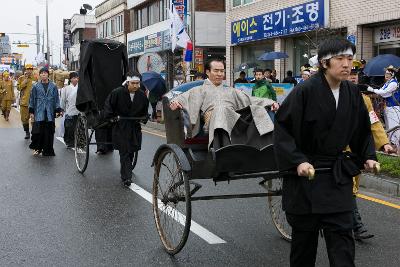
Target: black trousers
pixel 126 160
pixel 104 135
pixel 69 129
pixel 337 230
pixel 43 137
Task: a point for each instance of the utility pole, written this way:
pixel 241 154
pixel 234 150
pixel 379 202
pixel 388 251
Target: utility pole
pixel 43 42
pixel 47 30
pixel 37 36
pixel 193 26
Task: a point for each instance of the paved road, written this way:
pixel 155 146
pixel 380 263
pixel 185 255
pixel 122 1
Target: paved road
pixel 50 215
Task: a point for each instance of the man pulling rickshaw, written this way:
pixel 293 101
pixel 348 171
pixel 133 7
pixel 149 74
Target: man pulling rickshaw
pixel 127 102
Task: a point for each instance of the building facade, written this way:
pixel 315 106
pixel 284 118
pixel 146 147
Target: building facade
pixel 296 27
pixel 83 27
pixel 112 20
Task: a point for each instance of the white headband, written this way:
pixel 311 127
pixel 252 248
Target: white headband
pixel 347 52
pixel 307 72
pixel 128 79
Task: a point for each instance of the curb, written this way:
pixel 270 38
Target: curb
pixel 379 183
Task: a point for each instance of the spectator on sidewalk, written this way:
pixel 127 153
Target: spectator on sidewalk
pixel 289 78
pixel 68 99
pixel 198 76
pixel 241 79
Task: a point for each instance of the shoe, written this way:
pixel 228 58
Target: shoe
pixel 27 135
pixel 127 183
pixel 36 152
pixel 362 235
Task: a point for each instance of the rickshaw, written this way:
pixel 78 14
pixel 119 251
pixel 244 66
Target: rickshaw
pixel 103 67
pixel 183 160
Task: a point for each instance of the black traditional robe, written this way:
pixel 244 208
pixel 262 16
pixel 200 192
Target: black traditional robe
pixel 126 134
pixel 309 128
pixel 103 67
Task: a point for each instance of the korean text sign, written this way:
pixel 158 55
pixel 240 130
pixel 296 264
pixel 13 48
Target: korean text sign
pixel 296 19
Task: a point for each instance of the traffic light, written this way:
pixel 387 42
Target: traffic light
pixel 22 45
pixel 45 55
pixel 2 34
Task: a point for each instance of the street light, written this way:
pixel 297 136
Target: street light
pixel 37 34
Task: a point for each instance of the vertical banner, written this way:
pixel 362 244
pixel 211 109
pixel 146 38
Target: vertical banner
pixel 67 41
pixel 198 59
pixel 181 8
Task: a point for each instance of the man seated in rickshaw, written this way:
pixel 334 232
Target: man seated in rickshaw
pixel 218 105
pixel 129 102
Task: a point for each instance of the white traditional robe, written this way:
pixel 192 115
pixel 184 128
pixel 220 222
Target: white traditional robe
pixel 224 101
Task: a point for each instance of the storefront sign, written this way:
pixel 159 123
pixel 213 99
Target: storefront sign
pixel 166 41
pixel 155 42
pixel 388 33
pixel 301 18
pixel 136 46
pixel 152 42
pixel 199 59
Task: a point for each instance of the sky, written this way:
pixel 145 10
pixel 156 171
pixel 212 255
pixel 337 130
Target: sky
pixel 19 13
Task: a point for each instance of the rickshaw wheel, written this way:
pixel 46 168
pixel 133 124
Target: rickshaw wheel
pixel 275 208
pixel 135 156
pixel 81 144
pixel 171 202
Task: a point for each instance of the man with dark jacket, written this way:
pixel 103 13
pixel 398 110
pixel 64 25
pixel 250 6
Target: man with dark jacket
pixel 289 78
pixel 127 102
pixel 313 128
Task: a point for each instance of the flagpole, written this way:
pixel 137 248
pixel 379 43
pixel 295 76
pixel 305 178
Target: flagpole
pixel 193 25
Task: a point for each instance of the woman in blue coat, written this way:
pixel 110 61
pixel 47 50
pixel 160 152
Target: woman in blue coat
pixel 44 107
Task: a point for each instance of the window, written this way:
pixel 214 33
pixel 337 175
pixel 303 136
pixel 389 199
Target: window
pixel 150 14
pixel 236 3
pixel 112 22
pixel 138 19
pixel 154 13
pixel 119 24
pixel 106 29
pixel 145 17
pixel 165 7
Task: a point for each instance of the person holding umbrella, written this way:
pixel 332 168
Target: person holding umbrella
pixel 156 86
pixel 391 94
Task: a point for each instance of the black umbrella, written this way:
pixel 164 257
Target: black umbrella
pixel 154 82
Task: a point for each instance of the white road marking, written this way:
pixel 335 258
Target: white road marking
pixel 59 138
pixel 196 228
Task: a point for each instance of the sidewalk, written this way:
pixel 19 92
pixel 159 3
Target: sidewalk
pixel 378 183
